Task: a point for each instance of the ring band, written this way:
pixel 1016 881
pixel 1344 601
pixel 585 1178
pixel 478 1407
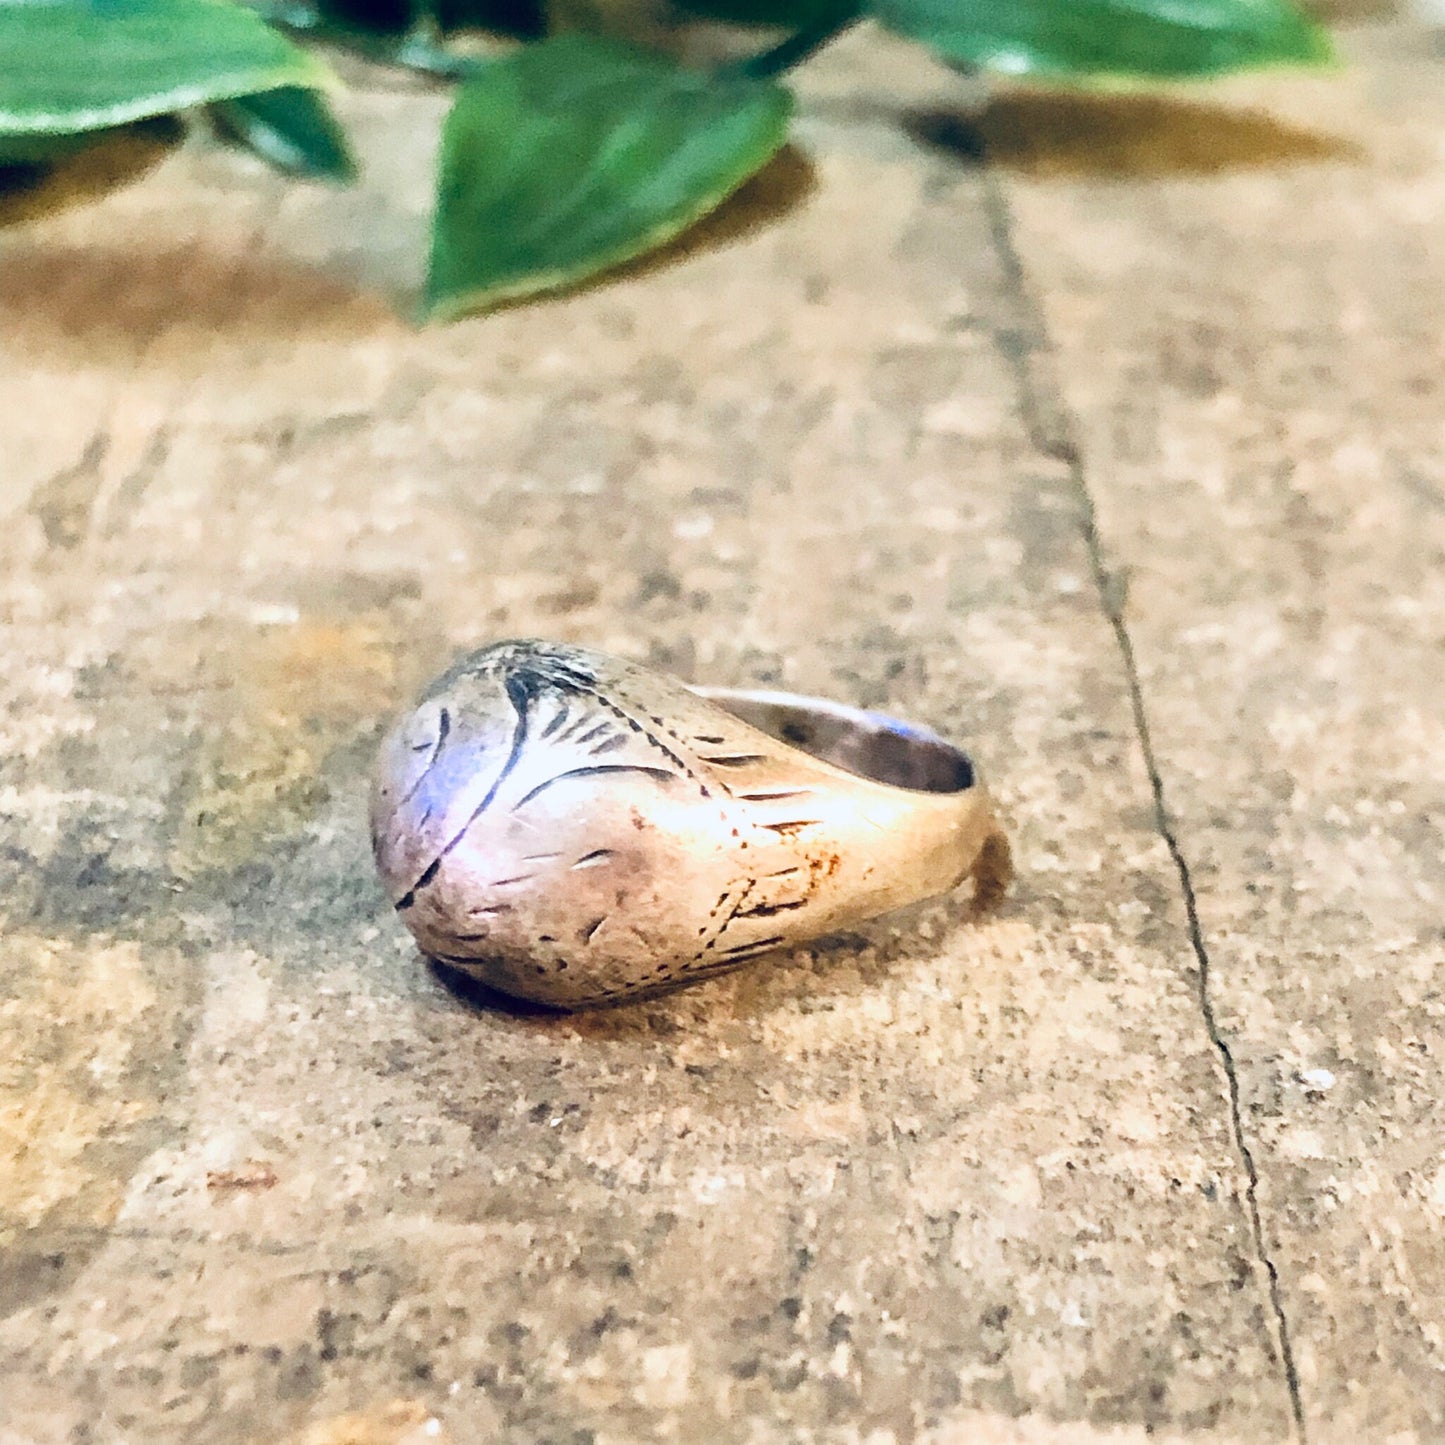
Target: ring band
pixel 577 830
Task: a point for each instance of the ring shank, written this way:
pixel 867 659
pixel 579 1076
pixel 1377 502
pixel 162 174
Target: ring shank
pixel 871 745
pixel 927 799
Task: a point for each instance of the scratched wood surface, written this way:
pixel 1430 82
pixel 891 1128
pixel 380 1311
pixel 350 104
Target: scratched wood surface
pixel 1102 434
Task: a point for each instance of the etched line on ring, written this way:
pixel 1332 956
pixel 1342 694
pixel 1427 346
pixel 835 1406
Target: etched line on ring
pixel 592 859
pixel 632 716
pixel 719 926
pixel 761 945
pixel 639 727
pixel 767 910
pixel 662 775
pixel 699 969
pixel 518 698
pixel 444 726
pixel 713 912
pixel 593 732
pixel 570 734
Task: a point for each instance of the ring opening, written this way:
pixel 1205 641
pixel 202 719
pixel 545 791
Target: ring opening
pixel 870 744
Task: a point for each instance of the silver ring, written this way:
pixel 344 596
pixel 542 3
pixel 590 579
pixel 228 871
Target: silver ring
pixel 577 830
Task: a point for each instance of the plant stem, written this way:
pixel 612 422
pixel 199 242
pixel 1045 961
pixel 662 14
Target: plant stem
pixel 796 48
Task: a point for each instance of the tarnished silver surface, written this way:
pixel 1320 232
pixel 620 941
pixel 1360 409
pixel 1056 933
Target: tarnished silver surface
pixel 575 829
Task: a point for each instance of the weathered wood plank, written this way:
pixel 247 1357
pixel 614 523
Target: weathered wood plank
pixel 1251 360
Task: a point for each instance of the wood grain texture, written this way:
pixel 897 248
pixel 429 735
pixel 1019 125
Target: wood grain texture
pixel 1025 450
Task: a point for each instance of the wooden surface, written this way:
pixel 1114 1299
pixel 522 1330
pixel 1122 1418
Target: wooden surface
pixel 1103 434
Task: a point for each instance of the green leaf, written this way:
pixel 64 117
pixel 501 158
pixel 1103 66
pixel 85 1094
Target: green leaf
pixel 1123 38
pixel 291 128
pixel 578 153
pixel 81 65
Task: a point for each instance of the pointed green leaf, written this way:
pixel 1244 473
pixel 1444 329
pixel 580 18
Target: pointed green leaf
pixel 576 154
pixel 81 65
pixel 1123 38
pixel 291 128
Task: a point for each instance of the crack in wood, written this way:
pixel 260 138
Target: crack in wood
pixel 1052 431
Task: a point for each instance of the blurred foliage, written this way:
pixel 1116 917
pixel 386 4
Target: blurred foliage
pixel 575 152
